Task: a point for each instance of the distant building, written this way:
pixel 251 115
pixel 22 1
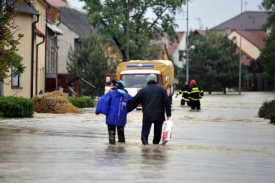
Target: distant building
pixel 248 20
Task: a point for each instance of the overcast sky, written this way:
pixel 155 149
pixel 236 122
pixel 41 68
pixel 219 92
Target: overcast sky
pixel 205 13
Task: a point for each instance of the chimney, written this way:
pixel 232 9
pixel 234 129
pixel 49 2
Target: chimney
pixel 227 31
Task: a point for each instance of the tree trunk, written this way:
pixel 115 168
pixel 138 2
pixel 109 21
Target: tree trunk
pixel 224 90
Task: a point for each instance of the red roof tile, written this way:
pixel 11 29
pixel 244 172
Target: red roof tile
pixel 58 3
pixel 254 37
pixel 201 32
pixel 38 32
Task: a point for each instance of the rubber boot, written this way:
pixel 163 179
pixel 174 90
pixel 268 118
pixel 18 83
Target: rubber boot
pixel 120 133
pixel 144 140
pixel 112 141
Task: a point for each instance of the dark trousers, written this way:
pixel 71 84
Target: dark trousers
pixel 182 102
pixel 146 127
pixel 195 104
pixel 112 134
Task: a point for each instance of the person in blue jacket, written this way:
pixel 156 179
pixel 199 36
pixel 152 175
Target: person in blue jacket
pixel 117 116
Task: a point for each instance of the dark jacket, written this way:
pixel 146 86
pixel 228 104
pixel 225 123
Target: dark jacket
pixel 195 92
pixel 184 92
pixel 154 101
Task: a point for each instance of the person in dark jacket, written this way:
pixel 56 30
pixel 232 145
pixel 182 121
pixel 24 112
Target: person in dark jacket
pixel 117 115
pixel 113 85
pixel 184 92
pixel 195 94
pixel 155 103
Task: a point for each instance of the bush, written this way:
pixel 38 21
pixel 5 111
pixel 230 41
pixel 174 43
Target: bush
pixel 267 108
pixel 16 107
pixel 272 118
pixel 81 102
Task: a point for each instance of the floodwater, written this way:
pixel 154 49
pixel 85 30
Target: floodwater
pixel 224 142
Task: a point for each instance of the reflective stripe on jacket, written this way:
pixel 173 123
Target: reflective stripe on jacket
pixel 195 93
pixel 184 92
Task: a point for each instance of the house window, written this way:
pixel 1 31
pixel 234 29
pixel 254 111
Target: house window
pixel 51 62
pixel 15 80
pixel 182 55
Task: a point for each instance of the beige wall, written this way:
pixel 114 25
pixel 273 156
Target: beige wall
pixel 25 23
pixel 64 42
pixel 249 48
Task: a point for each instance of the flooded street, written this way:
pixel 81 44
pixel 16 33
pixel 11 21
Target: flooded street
pixel 224 142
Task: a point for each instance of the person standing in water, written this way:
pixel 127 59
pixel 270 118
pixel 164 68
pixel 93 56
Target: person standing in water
pixel 155 102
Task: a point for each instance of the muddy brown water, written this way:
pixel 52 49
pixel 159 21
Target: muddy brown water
pixel 224 142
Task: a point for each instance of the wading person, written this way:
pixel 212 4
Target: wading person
pixel 195 94
pixel 184 92
pixel 117 116
pixel 155 103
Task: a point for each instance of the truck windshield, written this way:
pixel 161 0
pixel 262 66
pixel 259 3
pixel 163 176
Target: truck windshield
pixel 135 80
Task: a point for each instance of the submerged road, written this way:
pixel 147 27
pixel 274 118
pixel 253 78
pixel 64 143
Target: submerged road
pixel 224 142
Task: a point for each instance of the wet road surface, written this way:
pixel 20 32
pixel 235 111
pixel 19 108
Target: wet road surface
pixel 224 142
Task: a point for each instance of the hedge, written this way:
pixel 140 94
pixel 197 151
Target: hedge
pixel 17 107
pixel 81 102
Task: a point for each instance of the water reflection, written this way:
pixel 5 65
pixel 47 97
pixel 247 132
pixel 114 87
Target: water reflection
pixel 153 164
pixel 115 154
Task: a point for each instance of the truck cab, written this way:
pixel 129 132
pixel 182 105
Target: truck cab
pixel 134 74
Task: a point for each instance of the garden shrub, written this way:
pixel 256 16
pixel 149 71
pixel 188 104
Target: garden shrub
pixel 272 118
pixel 267 108
pixel 81 102
pixel 16 107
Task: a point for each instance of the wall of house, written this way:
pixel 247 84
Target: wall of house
pixel 181 46
pixel 249 48
pixel 25 23
pixel 64 42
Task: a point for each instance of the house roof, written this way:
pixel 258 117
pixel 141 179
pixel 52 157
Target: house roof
pixel 54 28
pixel 75 20
pixel 201 32
pixel 254 37
pixel 38 32
pixel 249 20
pixel 23 7
pixel 58 3
pixel 171 48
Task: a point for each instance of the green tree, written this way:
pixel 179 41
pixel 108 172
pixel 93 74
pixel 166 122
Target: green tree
pixel 91 62
pixel 267 53
pixel 111 17
pixel 214 62
pixel 8 42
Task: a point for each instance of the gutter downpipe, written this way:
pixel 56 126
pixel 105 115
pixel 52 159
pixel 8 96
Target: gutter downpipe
pixel 50 57
pixel 36 65
pixel 32 52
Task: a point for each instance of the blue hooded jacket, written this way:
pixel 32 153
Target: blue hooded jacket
pixel 118 110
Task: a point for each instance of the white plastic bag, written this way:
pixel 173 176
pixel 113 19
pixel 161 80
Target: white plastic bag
pixel 167 131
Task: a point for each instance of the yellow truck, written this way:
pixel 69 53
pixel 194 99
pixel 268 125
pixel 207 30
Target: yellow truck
pixel 135 72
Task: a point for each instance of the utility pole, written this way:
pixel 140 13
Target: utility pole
pixel 240 61
pixel 127 33
pixel 186 47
